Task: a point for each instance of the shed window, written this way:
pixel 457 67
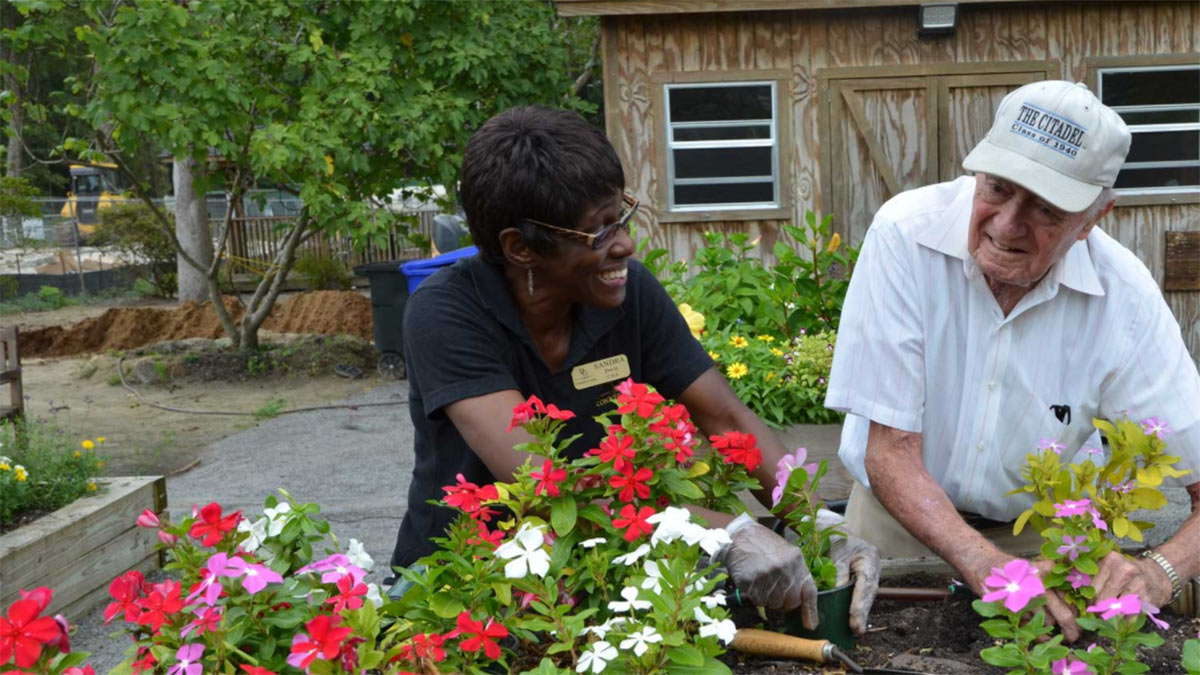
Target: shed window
pixel 1161 105
pixel 722 146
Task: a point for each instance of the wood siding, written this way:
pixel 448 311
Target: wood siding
pixel 640 49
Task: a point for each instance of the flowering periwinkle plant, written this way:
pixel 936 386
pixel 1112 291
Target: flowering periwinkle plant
pixel 795 501
pixel 250 597
pixel 30 643
pixel 1080 509
pixel 581 565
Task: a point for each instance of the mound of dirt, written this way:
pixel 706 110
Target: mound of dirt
pixel 321 312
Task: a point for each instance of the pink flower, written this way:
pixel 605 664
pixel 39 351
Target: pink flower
pixel 784 468
pixel 1097 521
pixel 1153 425
pixel 1073 546
pixel 1090 451
pixel 189 661
pixel 1152 613
pixel 1126 605
pixel 1017 584
pixel 167 538
pixel 255 577
pixel 217 566
pixel 1050 444
pixel 1071 508
pixel 147 519
pixel 1078 579
pixel 1070 666
pixel 333 568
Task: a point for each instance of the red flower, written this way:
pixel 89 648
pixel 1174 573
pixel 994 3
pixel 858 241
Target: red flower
pixel 468 496
pixel 63 642
pixel 162 601
pixel 324 639
pixel 148 519
pixel 548 479
pixel 493 538
pixel 616 449
pixel 554 413
pixel 523 413
pixel 679 435
pixel 738 448
pixel 211 526
pixel 633 521
pixel 22 632
pixel 125 590
pixel 76 670
pixel 41 596
pixel 146 663
pixel 256 670
pixel 630 481
pixel 424 647
pixel 350 595
pixel 483 636
pixel 637 398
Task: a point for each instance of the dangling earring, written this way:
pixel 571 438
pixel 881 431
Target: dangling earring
pixel 529 281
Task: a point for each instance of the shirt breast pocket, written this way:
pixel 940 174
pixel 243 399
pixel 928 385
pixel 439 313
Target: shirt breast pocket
pixel 1067 424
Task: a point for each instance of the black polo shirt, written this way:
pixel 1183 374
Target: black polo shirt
pixel 464 338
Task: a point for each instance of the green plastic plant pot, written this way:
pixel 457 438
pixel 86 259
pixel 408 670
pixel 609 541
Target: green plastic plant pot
pixel 833 618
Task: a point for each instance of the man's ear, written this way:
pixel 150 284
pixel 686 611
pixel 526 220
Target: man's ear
pixel 1087 229
pixel 515 250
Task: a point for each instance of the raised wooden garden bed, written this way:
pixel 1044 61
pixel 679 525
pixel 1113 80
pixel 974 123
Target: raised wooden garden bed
pixel 80 548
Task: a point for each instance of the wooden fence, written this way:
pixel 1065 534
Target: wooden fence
pixel 254 242
pixel 10 373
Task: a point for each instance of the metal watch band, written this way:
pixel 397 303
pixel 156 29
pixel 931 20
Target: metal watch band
pixel 1176 584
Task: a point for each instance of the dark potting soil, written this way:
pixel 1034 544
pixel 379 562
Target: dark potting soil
pixel 932 637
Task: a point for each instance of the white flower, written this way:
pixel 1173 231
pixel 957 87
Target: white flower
pixel 596 658
pixel 672 523
pixel 701 616
pixel 631 602
pixel 724 630
pixel 602 630
pixel 258 533
pixel 358 555
pixel 633 556
pixel 526 553
pixel 592 543
pixel 717 598
pixel 712 540
pixel 374 596
pixel 639 640
pixel 278 517
pixel 654 577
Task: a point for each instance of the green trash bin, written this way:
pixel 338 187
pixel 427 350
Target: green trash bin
pixel 389 294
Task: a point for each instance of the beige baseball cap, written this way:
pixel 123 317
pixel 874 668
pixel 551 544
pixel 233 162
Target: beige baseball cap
pixel 1055 139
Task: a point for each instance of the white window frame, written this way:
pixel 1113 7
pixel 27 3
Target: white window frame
pixel 772 142
pixel 1098 67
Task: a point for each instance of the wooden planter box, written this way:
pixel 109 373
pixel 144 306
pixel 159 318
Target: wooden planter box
pixel 80 548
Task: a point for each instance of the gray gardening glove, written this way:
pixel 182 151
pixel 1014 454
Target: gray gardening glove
pixel 768 570
pixel 852 554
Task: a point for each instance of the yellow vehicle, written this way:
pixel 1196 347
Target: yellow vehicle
pixel 93 187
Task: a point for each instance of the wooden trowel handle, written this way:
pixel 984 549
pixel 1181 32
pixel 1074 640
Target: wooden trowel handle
pixel 769 643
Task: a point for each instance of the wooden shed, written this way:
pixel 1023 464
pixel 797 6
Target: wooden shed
pixel 740 115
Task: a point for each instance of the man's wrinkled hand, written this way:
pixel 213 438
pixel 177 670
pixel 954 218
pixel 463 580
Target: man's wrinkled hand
pixel 1121 575
pixel 851 554
pixel 769 571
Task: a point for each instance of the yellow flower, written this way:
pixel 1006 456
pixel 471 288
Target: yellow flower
pixel 714 356
pixel 736 370
pixel 738 341
pixel 20 474
pixel 768 377
pixel 91 486
pixel 100 439
pixel 88 445
pixel 834 242
pixel 767 338
pixel 5 467
pixel 776 351
pixel 100 464
pixel 78 454
pixel 694 319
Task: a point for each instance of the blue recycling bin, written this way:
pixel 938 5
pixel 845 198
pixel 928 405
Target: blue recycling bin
pixel 416 271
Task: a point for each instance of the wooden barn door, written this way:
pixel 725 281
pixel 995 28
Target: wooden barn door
pixel 885 131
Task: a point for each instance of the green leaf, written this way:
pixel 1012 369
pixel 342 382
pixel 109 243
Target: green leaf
pixel 445 604
pixel 1191 657
pixel 1004 656
pixel 685 655
pixel 987 609
pixel 563 514
pixel 1087 565
pixel 711 666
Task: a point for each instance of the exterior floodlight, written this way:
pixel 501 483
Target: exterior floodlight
pixel 937 18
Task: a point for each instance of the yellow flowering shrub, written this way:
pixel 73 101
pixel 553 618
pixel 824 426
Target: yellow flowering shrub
pixel 42 469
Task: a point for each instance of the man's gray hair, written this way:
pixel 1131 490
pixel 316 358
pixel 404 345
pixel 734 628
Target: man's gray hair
pixel 1093 211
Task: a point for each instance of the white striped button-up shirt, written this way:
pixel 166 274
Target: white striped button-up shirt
pixel 924 347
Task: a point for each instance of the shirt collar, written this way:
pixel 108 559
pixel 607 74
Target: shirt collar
pixel 948 235
pixel 590 323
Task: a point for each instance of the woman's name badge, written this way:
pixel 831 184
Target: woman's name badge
pixel 598 372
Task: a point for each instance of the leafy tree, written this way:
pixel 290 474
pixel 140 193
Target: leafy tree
pixel 132 229
pixel 339 102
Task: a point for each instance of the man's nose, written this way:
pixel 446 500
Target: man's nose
pixel 1009 219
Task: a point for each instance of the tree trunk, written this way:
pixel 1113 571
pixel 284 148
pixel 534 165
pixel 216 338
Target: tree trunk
pixel 15 157
pixel 191 228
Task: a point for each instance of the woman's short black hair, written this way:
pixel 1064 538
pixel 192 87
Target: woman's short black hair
pixel 533 162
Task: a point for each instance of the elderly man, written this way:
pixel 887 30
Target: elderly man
pixel 989 313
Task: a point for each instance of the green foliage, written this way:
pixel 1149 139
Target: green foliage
pixel 798 505
pixel 1191 657
pixel 271 410
pixel 132 228
pixel 323 274
pixel 42 468
pixel 16 197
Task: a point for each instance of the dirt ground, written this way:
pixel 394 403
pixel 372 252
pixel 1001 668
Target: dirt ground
pixel 83 393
